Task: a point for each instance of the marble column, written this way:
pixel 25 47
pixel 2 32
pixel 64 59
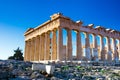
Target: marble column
pixel 33 49
pixel 103 49
pixel 114 43
pixel 95 50
pixel 106 49
pixel 41 41
pixel 48 46
pixel 112 48
pixel 54 45
pixel 26 53
pixel 60 44
pixel 79 46
pixel 37 42
pixel 69 45
pixel 43 46
pixel 109 57
pixel 29 50
pixel 40 48
pixel 87 47
pixel 95 41
pixel 115 50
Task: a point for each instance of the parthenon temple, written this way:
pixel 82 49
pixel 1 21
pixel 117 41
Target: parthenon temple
pixel 46 42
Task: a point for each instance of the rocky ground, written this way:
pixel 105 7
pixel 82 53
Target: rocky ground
pixel 19 70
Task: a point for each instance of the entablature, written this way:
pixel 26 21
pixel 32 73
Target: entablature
pixel 58 20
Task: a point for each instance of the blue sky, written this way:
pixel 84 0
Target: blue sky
pixel 16 16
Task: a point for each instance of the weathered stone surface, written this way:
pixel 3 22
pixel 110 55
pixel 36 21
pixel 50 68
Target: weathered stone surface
pixel 50 69
pixel 65 71
pixel 42 67
pixel 38 67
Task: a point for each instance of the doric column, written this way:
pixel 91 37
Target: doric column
pixel 35 46
pixel 48 46
pixel 43 46
pixel 112 48
pixel 69 45
pixel 29 50
pixel 54 45
pixel 60 44
pixel 117 47
pixel 103 49
pixel 87 46
pixel 95 41
pixel 33 49
pixel 40 48
pixel 79 46
pixel 95 50
pixel 26 53
pixel 37 42
pixel 109 57
pixel 115 50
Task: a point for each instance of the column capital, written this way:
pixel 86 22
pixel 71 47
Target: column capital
pixel 43 34
pixel 95 34
pixel 48 32
pixel 37 36
pixel 60 28
pixel 77 31
pixel 68 29
pixel 33 38
pixel 55 29
pixel 101 36
pixel 108 36
pixel 29 40
pixel 86 34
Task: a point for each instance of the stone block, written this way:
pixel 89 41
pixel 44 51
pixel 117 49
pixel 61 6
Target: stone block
pixel 50 69
pixel 38 67
pixel 42 67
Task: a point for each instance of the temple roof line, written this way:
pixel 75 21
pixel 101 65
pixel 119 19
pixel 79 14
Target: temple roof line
pixel 78 23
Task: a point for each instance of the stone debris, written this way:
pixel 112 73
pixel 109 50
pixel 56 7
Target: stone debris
pixel 20 70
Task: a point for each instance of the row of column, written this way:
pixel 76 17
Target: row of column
pixel 112 51
pixel 43 47
pixel 105 54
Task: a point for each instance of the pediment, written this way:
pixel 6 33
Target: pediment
pixel 29 29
